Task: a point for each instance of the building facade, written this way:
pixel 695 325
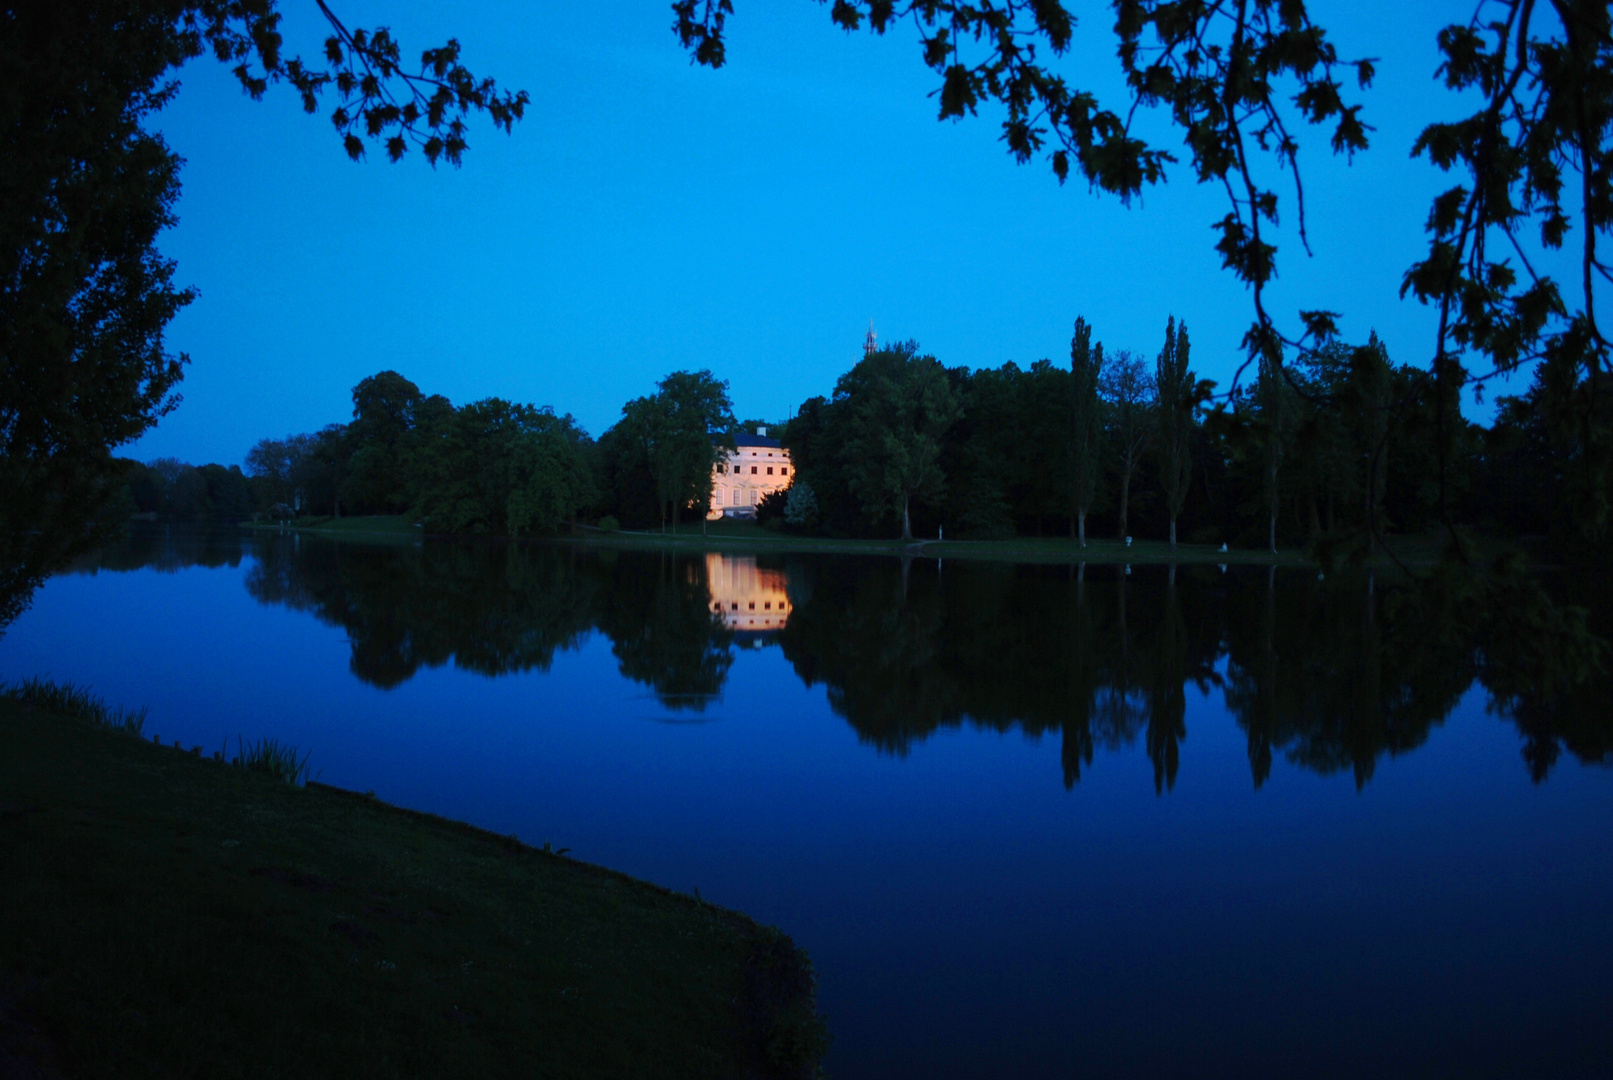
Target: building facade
pixel 754 469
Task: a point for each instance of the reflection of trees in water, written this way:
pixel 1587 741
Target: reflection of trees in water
pixel 1330 676
pixel 499 609
pixel 1167 696
pixel 166 549
pixel 494 609
pixel 1573 712
pixel 657 613
pixel 876 652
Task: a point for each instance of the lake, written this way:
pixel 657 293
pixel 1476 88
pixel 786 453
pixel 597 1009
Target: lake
pixel 1028 820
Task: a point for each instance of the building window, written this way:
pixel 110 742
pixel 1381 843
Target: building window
pixel 784 470
pixel 770 470
pixel 753 605
pixel 753 470
pixel 736 496
pixel 736 605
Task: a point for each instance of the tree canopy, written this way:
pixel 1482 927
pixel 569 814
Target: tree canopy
pixel 894 408
pixel 668 442
pixel 85 295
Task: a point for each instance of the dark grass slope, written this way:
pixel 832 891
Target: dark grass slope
pixel 165 915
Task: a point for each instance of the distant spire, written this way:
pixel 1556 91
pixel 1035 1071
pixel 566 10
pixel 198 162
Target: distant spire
pixel 868 342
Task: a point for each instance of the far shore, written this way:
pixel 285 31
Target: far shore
pixel 746 537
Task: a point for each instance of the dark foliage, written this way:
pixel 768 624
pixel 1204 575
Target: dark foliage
pixel 86 189
pixel 491 467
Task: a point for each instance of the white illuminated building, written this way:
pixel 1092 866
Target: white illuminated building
pixel 755 468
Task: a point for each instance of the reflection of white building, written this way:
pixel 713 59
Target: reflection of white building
pixel 755 468
pixel 749 597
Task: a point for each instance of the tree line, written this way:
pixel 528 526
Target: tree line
pixel 1332 452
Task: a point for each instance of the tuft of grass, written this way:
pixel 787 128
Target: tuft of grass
pixel 76 701
pixel 278 760
pixel 273 758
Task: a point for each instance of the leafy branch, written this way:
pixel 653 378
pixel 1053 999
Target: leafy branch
pixel 1232 74
pixel 379 100
pixel 1220 69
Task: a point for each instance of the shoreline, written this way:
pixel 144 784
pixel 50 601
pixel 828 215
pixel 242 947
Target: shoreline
pixel 1421 550
pixel 163 906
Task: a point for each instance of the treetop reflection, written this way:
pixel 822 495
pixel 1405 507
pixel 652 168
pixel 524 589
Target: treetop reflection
pixel 1329 676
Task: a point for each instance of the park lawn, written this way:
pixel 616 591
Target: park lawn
pixel 1423 549
pixel 166 915
pixel 367 525
pixel 1418 549
pixel 752 538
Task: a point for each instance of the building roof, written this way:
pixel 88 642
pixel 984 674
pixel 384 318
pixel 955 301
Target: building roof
pixel 754 440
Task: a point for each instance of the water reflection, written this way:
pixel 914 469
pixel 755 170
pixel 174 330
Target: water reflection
pixel 656 611
pixel 751 598
pixel 1328 676
pixel 493 610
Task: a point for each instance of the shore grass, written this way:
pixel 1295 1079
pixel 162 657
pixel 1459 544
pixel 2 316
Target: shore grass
pixel 750 537
pixel 79 702
pixel 166 915
pixel 747 537
pixel 1417 549
pixel 368 526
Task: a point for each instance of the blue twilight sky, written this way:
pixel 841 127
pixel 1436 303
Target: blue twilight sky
pixel 649 216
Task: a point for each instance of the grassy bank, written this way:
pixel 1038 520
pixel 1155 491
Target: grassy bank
pixel 370 526
pixel 1421 549
pixel 163 914
pixel 750 537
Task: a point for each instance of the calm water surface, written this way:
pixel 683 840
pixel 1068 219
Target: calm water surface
pixel 1028 820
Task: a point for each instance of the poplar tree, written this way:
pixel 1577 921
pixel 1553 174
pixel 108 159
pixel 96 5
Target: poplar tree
pixel 1174 390
pixel 1086 365
pixel 1269 396
pixel 1130 397
pixel 1371 380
